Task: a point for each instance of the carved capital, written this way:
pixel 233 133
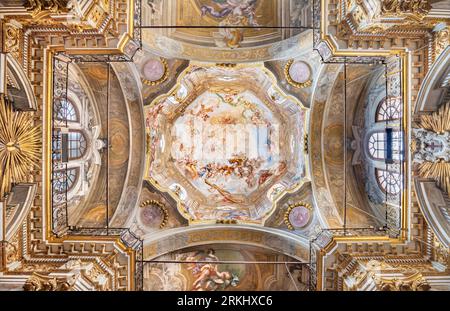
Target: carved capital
pixel 39 282
pixel 415 282
pixel 416 8
pixel 40 8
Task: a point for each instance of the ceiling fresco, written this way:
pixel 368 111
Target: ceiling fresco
pixel 223 267
pixel 217 143
pixel 255 28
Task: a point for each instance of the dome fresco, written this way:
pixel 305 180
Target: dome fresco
pixel 224 145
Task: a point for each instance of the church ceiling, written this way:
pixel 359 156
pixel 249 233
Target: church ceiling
pixel 187 144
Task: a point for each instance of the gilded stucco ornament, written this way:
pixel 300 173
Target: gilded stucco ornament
pixel 155 72
pixel 39 282
pixel 431 147
pixel 12 251
pixel 154 213
pixel 415 282
pixel 297 215
pixel 41 8
pixel 19 145
pixel 298 74
pixel 12 37
pixel 417 9
pixel 438 122
pixel 442 40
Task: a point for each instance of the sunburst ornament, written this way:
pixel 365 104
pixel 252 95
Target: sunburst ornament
pixel 439 171
pixel 19 146
pixel 438 121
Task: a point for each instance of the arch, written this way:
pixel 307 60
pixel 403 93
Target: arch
pixel 167 241
pixel 432 91
pixel 128 77
pixel 433 204
pixel 23 91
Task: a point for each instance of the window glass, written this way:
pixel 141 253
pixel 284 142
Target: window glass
pixel 377 145
pixel 66 111
pixel 64 180
pixel 389 109
pixel 76 145
pixel 390 182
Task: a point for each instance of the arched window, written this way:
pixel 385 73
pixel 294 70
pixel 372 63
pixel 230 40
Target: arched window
pixel 377 145
pixel 64 180
pixel 65 110
pixel 389 109
pixel 390 182
pixel 76 145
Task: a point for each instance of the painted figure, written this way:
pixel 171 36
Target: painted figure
pixel 208 276
pixel 237 13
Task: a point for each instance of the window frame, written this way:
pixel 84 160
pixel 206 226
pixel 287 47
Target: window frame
pixel 83 150
pixel 70 103
pixel 380 173
pixel 65 172
pixel 385 104
pixel 397 139
pixel 84 141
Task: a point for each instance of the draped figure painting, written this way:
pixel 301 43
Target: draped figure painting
pixel 239 13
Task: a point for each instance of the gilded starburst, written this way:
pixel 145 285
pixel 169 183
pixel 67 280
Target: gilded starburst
pixel 19 146
pixel 438 122
pixel 440 171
